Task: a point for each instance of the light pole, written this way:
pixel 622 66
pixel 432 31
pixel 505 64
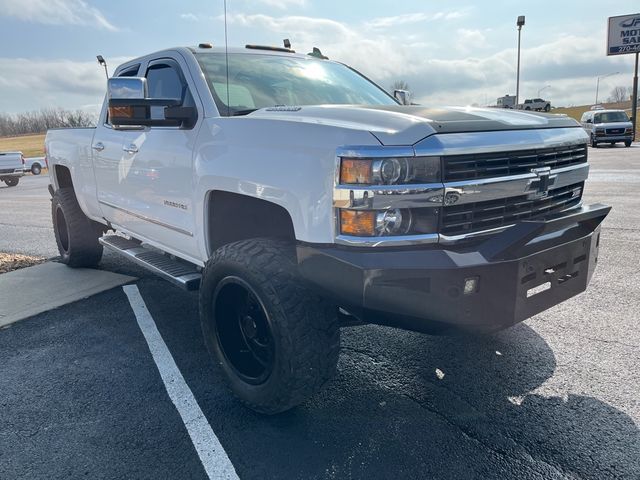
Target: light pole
pixel 542 89
pixel 519 23
pixel 598 82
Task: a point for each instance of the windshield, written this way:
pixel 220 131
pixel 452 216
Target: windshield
pixel 258 81
pixel 610 117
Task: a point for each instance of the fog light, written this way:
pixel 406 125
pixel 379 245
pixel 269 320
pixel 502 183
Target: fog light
pixel 470 285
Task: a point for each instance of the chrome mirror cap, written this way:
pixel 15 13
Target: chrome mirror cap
pixel 127 88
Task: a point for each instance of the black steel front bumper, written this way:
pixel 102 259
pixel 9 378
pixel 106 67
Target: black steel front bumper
pixel 520 272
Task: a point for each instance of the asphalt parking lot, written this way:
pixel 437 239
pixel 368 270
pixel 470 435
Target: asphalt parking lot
pixel 557 396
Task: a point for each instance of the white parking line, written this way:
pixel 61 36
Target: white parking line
pixel 213 457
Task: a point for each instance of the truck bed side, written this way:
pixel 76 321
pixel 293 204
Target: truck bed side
pixel 70 158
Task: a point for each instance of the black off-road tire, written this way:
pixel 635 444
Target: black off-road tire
pixel 305 335
pixel 12 181
pixel 76 234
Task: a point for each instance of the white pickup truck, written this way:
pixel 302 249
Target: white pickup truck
pixel 11 167
pixel 298 196
pixel 535 104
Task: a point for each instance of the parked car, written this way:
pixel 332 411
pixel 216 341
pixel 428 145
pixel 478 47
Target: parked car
pixel 290 189
pixel 607 126
pixel 11 167
pixel 536 104
pixel 35 165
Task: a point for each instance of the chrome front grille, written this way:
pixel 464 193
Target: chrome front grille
pixel 479 216
pixel 502 164
pixel 614 131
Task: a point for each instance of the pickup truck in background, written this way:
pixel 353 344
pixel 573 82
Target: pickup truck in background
pixel 535 104
pixel 298 196
pixel 35 165
pixel 11 167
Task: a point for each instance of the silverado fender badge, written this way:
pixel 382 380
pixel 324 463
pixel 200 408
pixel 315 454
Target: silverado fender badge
pixel 181 206
pixel 539 187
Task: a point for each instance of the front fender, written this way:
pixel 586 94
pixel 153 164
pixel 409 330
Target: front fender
pixel 290 164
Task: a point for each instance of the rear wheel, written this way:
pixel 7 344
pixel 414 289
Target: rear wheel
pixel 11 181
pixel 275 340
pixel 76 235
pixel 36 169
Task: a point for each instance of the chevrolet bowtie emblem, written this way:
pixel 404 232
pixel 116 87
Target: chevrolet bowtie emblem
pixel 539 186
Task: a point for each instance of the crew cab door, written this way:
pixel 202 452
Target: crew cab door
pixel 156 191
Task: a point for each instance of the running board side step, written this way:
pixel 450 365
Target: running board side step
pixel 177 272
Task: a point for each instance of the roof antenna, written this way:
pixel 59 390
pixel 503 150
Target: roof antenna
pixel 103 62
pixel 226 55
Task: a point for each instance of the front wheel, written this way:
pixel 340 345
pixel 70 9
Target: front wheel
pixel 627 143
pixel 275 340
pixel 11 181
pixel 594 144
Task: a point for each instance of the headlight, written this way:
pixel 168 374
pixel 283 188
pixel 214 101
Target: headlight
pixel 628 130
pixel 388 223
pixel 390 171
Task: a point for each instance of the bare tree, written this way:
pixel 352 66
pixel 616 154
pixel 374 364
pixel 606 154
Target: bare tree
pixel 618 94
pixel 41 121
pixel 400 85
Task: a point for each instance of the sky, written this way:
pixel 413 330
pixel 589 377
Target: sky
pixel 450 53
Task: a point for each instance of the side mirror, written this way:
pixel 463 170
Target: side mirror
pixel 402 96
pixel 589 120
pixel 130 105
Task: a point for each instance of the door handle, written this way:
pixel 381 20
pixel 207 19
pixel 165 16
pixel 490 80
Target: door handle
pixel 131 148
pixel 98 147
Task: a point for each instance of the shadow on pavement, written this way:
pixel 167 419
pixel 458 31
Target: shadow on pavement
pixel 412 406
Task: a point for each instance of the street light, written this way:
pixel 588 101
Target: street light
pixel 542 89
pixel 519 23
pixel 598 82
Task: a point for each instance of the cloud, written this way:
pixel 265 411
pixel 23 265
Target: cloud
pixel 409 18
pixel 468 40
pixel 568 63
pixel 284 4
pixel 190 16
pixel 29 84
pixel 55 12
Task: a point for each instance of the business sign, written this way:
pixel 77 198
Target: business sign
pixel 624 34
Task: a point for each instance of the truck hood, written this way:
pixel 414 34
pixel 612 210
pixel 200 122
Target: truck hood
pixel 407 125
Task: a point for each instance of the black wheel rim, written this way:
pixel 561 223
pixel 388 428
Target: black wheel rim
pixel 63 230
pixel 243 330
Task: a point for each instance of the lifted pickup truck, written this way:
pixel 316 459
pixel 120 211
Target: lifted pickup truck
pixel 298 196
pixel 536 104
pixel 11 167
